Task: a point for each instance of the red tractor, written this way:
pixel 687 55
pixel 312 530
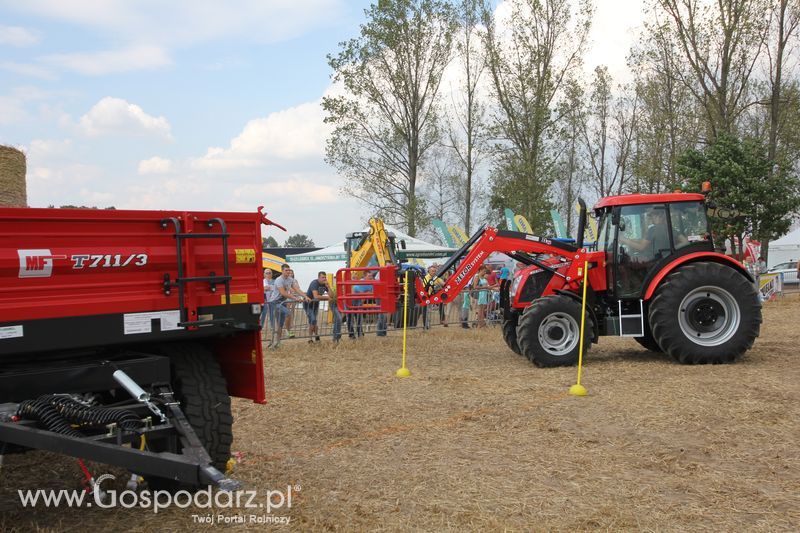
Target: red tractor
pixel 653 275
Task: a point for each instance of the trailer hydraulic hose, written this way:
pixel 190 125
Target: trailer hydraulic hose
pixel 57 413
pixel 40 409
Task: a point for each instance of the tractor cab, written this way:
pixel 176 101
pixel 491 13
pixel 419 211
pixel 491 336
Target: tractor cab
pixel 641 234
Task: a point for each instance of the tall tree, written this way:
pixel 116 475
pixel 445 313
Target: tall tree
pixel 387 118
pixel 531 54
pixel 668 122
pixel 442 185
pixel 298 240
pixel 571 171
pixel 720 43
pixel 742 176
pixel 596 134
pixel 468 134
pixel 784 26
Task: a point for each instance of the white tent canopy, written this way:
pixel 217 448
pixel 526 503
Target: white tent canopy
pixel 333 257
pixel 787 248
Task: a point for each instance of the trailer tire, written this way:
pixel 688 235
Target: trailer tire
pixel 705 313
pixel 202 391
pixel 510 333
pixel 549 329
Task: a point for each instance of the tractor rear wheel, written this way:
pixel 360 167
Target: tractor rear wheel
pixel 548 333
pixel 510 333
pixel 647 341
pixel 705 313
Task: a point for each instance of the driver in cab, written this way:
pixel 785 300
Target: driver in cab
pixel 656 238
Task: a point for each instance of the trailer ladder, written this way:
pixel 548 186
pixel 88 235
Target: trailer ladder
pixel 188 303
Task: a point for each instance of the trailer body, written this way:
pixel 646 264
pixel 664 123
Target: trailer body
pixel 170 298
pixel 80 279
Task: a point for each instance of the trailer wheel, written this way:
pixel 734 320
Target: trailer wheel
pixel 549 331
pixel 510 333
pixel 705 313
pixel 201 389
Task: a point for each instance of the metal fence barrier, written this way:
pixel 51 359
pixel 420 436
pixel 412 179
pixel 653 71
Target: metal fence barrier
pixel 453 314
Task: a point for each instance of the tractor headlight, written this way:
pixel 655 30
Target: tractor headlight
pixel 255 309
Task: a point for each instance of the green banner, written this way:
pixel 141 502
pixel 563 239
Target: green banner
pixel 510 224
pixel 558 223
pixel 443 232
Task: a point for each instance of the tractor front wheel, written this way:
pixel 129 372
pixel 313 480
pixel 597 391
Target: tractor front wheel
pixel 549 331
pixel 510 333
pixel 705 313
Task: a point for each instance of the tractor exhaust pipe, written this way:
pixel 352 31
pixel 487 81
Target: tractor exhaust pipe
pixel 581 224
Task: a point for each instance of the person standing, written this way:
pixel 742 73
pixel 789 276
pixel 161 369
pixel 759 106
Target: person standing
pixel 337 316
pixel 268 310
pixel 285 295
pixel 434 284
pixel 290 305
pixel 466 294
pixel 483 297
pixel 317 292
pixel 355 321
pixel 269 284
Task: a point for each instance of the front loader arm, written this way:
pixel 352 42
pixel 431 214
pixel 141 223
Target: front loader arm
pixel 487 241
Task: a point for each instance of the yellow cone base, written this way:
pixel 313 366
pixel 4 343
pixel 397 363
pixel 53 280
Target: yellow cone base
pixel 402 372
pixel 578 390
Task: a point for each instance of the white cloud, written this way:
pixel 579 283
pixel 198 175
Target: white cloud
pixel 34 71
pixel 11 111
pixel 155 165
pixel 13 105
pixel 17 36
pixel 114 116
pixel 97 198
pixel 45 149
pixel 139 57
pixel 296 191
pixel 183 22
pixel 291 134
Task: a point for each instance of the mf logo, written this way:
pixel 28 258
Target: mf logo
pixel 36 263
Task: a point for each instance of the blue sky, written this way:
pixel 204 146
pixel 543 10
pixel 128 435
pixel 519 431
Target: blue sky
pixel 187 104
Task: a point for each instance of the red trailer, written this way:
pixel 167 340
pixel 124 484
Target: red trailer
pixel 129 327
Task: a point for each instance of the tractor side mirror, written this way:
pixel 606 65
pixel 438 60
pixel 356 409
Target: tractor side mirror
pixel 621 225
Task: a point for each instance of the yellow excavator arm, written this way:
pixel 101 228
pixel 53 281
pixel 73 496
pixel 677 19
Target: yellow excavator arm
pixel 374 244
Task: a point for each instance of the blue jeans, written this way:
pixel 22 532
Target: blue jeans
pixel 337 324
pixel 278 313
pixel 267 309
pixel 381 325
pixel 354 327
pixel 311 313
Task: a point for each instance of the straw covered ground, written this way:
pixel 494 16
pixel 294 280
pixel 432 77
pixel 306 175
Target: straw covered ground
pixel 479 439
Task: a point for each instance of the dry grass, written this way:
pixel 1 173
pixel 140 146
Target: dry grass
pixel 12 178
pixel 478 438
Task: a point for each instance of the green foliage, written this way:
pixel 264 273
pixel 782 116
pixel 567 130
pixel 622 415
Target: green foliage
pixel 298 240
pixel 743 179
pixel 387 117
pixel 269 242
pixel 529 64
pixel 515 187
